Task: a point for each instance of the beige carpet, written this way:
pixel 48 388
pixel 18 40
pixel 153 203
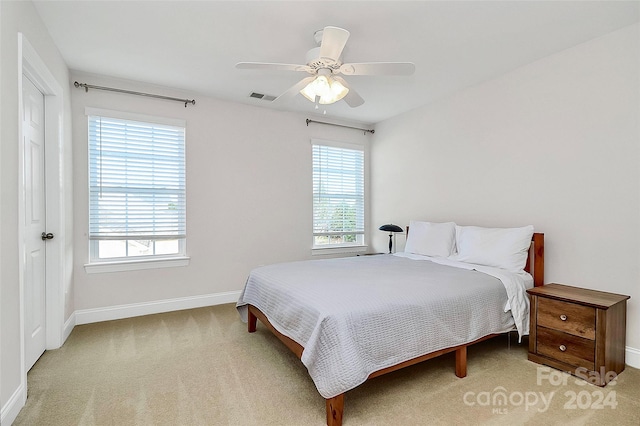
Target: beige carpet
pixel 201 367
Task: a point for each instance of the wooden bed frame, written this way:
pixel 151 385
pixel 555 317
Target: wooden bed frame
pixel 335 405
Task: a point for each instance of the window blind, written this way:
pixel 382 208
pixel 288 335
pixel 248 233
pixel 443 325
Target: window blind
pixel 338 195
pixel 136 180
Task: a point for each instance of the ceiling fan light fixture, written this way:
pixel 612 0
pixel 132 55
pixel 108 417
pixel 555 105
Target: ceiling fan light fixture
pixel 327 89
pixel 336 92
pixel 318 87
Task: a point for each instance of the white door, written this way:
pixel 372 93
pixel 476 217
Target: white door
pixel 35 225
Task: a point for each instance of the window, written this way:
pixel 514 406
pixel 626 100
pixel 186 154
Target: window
pixel 137 193
pixel 338 195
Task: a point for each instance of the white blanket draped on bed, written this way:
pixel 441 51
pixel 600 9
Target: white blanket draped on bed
pixel 358 315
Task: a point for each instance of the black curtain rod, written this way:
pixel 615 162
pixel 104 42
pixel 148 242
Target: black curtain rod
pixel 340 125
pixel 111 89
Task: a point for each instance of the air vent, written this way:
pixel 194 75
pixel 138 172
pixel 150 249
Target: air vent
pixel 268 98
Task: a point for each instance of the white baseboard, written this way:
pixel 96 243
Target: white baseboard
pixel 68 327
pixel 632 357
pixel 12 408
pixel 87 316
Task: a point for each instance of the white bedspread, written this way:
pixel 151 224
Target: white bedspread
pixel 358 315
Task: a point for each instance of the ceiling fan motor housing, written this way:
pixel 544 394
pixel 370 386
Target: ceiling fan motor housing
pixel 314 60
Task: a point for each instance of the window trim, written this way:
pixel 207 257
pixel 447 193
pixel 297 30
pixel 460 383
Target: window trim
pixel 98 265
pixel 338 249
pixel 105 266
pixel 344 248
pixel 132 116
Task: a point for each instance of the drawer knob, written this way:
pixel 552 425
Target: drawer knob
pixel 563 348
pixel 563 317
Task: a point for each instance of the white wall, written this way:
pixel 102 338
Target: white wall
pixel 248 193
pixel 21 17
pixel 555 144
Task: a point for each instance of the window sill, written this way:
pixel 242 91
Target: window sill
pixel 337 250
pixel 134 265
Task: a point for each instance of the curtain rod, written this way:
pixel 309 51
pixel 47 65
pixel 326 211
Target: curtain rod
pixel 111 89
pixel 340 125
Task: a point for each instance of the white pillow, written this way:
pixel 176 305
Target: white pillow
pixel 431 239
pixel 505 248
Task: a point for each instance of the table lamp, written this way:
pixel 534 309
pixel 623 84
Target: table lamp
pixel 390 229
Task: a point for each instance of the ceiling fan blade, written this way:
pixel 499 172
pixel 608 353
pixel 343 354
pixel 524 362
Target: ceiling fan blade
pixel 352 98
pixel 378 68
pixel 294 90
pixel 333 42
pixel 272 66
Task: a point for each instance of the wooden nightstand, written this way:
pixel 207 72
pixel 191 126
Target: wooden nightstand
pixel 579 331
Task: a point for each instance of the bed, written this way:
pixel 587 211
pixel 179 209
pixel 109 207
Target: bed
pixel 352 319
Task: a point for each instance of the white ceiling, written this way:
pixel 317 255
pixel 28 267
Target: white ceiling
pixel 194 45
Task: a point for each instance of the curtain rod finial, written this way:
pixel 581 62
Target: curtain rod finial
pixel 76 84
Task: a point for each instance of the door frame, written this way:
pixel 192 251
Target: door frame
pixel 31 65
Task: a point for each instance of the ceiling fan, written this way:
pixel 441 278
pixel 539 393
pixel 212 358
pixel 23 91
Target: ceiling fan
pixel 324 63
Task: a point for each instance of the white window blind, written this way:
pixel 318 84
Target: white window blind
pixel 338 195
pixel 136 180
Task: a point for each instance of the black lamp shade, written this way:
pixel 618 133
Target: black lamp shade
pixel 390 228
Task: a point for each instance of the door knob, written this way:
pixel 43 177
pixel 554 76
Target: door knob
pixel 47 236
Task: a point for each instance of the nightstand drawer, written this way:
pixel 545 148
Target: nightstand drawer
pixel 566 347
pixel 571 318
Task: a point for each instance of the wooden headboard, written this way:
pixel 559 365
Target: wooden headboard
pixel 535 259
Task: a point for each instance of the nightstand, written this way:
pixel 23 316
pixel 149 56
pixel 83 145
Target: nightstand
pixel 579 331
